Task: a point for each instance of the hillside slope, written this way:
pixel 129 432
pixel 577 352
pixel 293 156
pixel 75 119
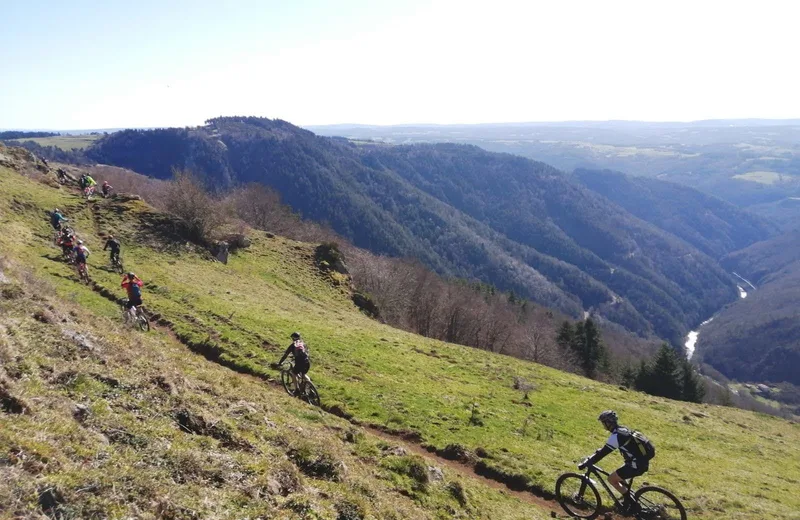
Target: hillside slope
pixel 512 222
pixel 712 225
pixel 758 338
pixel 437 394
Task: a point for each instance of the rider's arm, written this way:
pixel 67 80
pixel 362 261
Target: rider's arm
pixel 106 246
pixel 286 354
pixel 611 444
pixel 599 454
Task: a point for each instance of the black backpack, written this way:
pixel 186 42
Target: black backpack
pixel 642 446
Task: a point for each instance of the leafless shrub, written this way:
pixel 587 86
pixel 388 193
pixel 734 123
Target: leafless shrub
pixel 201 214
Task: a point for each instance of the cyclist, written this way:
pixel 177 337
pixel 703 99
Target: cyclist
pixel 87 182
pixel 133 286
pixel 115 247
pixel 302 363
pixel 67 241
pixel 56 218
pixel 81 252
pixel 106 188
pixel 636 450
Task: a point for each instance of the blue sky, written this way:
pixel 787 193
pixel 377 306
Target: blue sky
pixel 82 64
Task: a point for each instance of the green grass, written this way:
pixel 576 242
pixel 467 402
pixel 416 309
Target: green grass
pixel 65 142
pixel 724 463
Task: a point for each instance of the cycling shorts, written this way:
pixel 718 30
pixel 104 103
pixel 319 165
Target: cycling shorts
pixel 137 302
pixel 301 367
pixel 633 468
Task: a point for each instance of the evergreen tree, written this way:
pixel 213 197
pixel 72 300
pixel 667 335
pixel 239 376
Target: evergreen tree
pixel 692 387
pixel 565 335
pixel 628 376
pixel 585 342
pixel 666 377
pixel 642 381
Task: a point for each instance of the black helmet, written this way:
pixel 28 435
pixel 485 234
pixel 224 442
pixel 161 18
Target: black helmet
pixel 608 417
pixel 131 275
pixel 295 335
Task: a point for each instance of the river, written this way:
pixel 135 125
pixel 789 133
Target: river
pixel 691 338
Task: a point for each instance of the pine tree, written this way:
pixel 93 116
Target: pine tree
pixel 692 387
pixel 585 342
pixel 628 376
pixel 565 335
pixel 642 381
pixel 666 376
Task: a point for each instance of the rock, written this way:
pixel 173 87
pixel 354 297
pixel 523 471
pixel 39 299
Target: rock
pixel 435 474
pixel 237 241
pixel 397 451
pixel 274 487
pixel 700 414
pixel 81 412
pixel 220 250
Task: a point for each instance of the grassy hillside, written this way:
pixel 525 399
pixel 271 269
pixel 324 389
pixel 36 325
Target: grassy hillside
pixel 517 224
pixel 724 463
pixel 102 422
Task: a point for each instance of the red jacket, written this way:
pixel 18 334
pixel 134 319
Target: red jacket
pixel 127 283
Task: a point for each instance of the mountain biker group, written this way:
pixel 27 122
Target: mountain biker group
pixel 636 449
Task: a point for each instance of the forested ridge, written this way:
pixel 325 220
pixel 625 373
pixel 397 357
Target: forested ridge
pixel 758 338
pixel 710 224
pixel 512 222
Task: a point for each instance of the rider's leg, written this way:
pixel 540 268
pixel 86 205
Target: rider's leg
pixel 619 484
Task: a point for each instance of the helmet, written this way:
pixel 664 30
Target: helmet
pixel 608 416
pixel 105 182
pixel 56 210
pixel 295 335
pixel 80 242
pixel 111 237
pixel 131 275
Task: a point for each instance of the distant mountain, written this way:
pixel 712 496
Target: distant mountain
pixel 758 338
pixel 748 162
pixel 710 224
pixel 516 223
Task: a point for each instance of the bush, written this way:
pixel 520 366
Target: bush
pixel 200 214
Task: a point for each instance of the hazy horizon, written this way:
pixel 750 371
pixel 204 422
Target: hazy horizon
pixel 86 66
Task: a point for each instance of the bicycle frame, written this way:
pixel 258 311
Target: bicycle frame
pixel 600 473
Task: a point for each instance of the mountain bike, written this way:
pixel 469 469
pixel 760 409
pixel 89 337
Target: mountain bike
pixel 578 495
pixel 140 320
pixel 116 264
pixel 308 392
pixel 83 273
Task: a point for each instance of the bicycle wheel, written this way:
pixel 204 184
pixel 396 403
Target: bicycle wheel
pixel 142 322
pixel 118 266
pixel 288 381
pixel 578 496
pixel 312 396
pixel 658 504
pixel 84 275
